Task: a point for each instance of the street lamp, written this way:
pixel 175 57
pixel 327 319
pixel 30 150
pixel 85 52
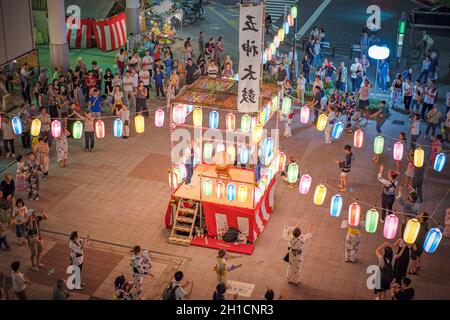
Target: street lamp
pixel 378 53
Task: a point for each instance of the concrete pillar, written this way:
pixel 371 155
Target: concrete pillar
pixel 133 13
pixel 59 50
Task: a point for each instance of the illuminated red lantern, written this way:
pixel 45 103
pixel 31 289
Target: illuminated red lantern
pixel 358 138
pixel 354 214
pixel 290 20
pixel 100 129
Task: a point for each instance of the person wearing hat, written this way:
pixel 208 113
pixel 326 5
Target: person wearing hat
pixel 76 245
pixel 34 238
pixel 388 196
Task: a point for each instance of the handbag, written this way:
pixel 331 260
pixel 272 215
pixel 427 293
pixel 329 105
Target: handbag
pixel 286 256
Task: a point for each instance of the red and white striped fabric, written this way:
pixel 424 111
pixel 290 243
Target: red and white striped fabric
pixel 80 38
pixel 110 34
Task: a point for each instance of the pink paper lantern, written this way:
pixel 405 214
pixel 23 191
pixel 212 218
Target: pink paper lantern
pixel 304 114
pixel 56 128
pixel 305 184
pixel 398 151
pixel 390 227
pixel 159 118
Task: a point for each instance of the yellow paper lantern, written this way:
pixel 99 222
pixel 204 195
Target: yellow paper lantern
pixel 411 231
pixel 242 193
pixel 139 123
pixel 35 127
pixel 281 34
pixel 257 133
pixel 419 156
pixel 197 117
pixel 231 153
pixel 322 122
pixel 320 194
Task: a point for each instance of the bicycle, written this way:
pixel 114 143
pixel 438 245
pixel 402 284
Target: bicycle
pixel 420 51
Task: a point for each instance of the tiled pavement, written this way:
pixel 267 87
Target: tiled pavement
pixel 119 194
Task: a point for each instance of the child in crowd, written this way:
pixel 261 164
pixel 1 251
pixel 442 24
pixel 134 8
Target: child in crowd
pixel 345 166
pixel 19 220
pixel 124 115
pixel 20 176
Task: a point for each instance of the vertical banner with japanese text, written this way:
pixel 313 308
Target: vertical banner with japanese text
pixel 250 56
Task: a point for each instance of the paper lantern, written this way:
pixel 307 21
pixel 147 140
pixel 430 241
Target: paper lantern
pixel 294 12
pixel 378 144
pixel 179 173
pixel 173 180
pixel 179 114
pixel 354 214
pixel 231 192
pixel 286 27
pixel 231 153
pixel 264 57
pixel 17 125
pixel 398 151
pixel 439 162
pixel 197 117
pixel 411 231
pixel 245 123
pixel 269 174
pixel 337 130
pixel 358 138
pixel 371 221
pixel 320 194
pixel 230 120
pixel 220 147
pixel 322 122
pixel 275 103
pixel 267 147
pixel 336 205
pixel 305 184
pixel 77 130
pixel 207 150
pixel 432 240
pixel 304 114
pixel 257 133
pixel 262 184
pixel 56 128
pixel 281 161
pixel 290 20
pixel 207 187
pixel 276 40
pixel 281 34
pixel 390 226
pixel 242 193
pixel 267 113
pixel 292 172
pixel 262 117
pixel 99 129
pixel 220 190
pixel 139 123
pixel 159 118
pixel 213 120
pixel 419 156
pixel 35 127
pixel 244 155
pixel 268 54
pixel 189 108
pixel 258 194
pixel 117 128
pixel 273 48
pixel 286 106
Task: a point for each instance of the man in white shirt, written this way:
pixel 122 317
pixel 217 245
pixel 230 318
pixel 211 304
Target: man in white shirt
pixel 427 41
pixel 408 90
pixel 353 69
pixel 128 93
pixel 417 97
pixel 19 281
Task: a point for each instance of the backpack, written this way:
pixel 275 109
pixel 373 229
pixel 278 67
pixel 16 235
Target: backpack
pixel 387 275
pixel 231 235
pixel 169 292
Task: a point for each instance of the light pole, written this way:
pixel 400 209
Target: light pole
pixel 378 53
pixel 295 42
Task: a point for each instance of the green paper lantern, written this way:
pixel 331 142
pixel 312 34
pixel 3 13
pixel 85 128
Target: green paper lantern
pixel 286 107
pixel 179 173
pixel 371 222
pixel 207 187
pixel 294 12
pixel 274 103
pixel 292 173
pixel 273 48
pixel 207 150
pixel 246 121
pixel 378 144
pixel 77 130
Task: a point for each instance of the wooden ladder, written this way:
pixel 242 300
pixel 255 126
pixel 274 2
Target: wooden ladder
pixel 183 224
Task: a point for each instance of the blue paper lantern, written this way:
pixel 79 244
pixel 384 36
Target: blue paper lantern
pixel 432 240
pixel 17 125
pixel 336 205
pixel 269 175
pixel 286 27
pixel 118 128
pixel 264 60
pixel 213 120
pixel 267 147
pixel 337 130
pixel 189 108
pixel 439 162
pixel 243 157
pixel 266 113
pixel 231 192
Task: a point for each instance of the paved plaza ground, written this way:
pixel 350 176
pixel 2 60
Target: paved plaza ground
pixel 118 194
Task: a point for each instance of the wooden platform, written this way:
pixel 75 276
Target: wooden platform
pixel 238 177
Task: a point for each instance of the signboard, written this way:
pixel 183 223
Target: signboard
pixel 162 7
pixel 250 56
pixel 241 288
